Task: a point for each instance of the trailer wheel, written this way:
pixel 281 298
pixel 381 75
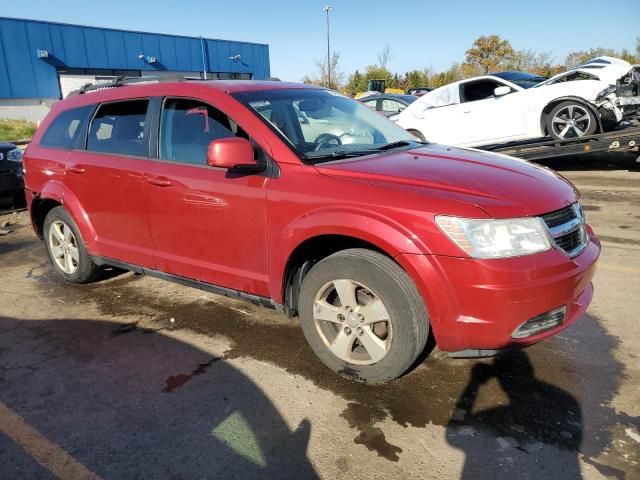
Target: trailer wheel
pixel 569 120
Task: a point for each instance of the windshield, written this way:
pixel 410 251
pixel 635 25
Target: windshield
pixel 522 79
pixel 322 125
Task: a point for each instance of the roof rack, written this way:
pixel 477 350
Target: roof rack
pixel 121 81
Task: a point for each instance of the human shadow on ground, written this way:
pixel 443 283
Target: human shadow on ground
pixel 129 402
pixel 534 410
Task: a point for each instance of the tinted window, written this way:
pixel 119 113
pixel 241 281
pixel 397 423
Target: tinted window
pixel 119 128
pixel 65 128
pixel 187 127
pixel 522 79
pixel 479 90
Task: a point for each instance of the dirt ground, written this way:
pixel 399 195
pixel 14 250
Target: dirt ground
pixel 133 377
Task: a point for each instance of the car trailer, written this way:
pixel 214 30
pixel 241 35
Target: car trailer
pixel 622 140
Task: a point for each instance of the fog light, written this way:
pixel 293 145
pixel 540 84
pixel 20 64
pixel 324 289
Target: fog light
pixel 540 323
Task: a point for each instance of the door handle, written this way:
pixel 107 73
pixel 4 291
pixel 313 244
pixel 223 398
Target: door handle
pixel 76 169
pixel 467 111
pixel 159 181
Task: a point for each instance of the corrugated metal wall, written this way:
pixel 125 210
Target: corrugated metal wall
pixel 24 75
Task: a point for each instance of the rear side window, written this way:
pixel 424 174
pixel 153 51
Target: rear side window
pixel 118 128
pixel 187 127
pixel 66 128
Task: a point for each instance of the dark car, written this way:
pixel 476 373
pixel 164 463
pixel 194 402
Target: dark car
pixel 11 181
pixel 387 103
pixel 419 91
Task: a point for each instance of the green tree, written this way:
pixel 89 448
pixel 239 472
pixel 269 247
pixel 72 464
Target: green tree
pixel 356 83
pixel 449 76
pixel 489 53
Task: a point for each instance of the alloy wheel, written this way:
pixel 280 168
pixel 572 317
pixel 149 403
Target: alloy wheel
pixel 63 247
pixel 353 322
pixel 571 121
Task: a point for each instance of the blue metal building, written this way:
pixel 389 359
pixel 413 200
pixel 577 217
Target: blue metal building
pixel 36 55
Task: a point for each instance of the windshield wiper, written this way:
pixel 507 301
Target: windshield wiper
pixel 399 143
pixel 338 154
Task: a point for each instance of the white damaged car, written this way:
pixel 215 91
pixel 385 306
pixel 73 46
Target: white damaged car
pixel 516 106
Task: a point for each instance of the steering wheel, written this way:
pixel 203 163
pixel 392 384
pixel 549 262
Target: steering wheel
pixel 325 139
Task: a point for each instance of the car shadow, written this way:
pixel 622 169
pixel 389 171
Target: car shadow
pixel 126 402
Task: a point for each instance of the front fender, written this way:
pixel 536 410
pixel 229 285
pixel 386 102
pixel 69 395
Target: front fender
pixel 57 191
pixel 378 230
pixel 580 100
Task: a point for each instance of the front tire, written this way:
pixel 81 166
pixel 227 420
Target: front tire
pixel 363 316
pixel 569 120
pixel 66 249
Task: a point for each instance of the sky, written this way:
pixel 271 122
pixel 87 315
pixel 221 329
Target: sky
pixel 428 33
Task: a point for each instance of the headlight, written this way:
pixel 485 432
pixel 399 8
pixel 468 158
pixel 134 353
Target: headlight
pixel 14 155
pixel 496 238
pixel 607 91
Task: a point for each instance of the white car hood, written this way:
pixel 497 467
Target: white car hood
pixel 607 69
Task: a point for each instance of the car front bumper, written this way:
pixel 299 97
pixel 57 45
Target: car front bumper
pixel 11 181
pixel 478 304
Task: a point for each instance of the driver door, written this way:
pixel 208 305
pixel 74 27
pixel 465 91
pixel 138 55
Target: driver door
pixel 488 118
pixel 206 224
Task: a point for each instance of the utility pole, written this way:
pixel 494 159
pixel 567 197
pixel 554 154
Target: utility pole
pixel 327 9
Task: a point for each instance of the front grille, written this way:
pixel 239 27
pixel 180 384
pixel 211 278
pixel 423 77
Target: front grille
pixel 567 228
pixel 559 217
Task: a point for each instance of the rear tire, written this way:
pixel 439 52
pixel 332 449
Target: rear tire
pixel 363 316
pixel 66 249
pixel 569 120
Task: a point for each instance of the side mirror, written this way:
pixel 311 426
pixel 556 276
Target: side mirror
pixel 231 153
pixel 501 91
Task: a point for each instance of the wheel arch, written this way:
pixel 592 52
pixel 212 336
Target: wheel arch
pixel 316 235
pixel 307 254
pixel 55 194
pixel 556 101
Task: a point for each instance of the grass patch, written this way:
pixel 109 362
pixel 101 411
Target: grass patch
pixel 16 130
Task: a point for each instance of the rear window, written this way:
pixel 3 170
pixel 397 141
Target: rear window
pixel 66 128
pixel 118 128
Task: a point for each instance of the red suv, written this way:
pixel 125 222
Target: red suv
pixel 301 199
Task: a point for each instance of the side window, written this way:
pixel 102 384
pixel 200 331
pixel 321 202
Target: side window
pixel 66 128
pixel 392 106
pixel 118 128
pixel 479 90
pixel 187 127
pixel 371 103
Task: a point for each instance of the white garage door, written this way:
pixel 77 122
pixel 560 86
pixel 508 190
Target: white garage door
pixel 69 83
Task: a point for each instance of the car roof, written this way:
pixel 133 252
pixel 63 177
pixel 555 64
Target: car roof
pixel 155 87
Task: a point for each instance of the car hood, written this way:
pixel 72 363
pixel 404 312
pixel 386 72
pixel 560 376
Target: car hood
pixel 6 146
pixel 607 69
pixel 501 186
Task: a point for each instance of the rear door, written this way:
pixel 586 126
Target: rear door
pixel 208 224
pixel 108 182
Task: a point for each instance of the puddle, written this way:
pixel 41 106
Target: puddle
pixel 541 394
pixel 626 241
pixel 177 381
pixel 591 208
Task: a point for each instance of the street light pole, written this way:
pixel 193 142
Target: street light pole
pixel 327 9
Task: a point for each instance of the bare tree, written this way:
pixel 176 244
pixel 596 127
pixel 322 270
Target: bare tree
pixel 321 76
pixel 385 56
